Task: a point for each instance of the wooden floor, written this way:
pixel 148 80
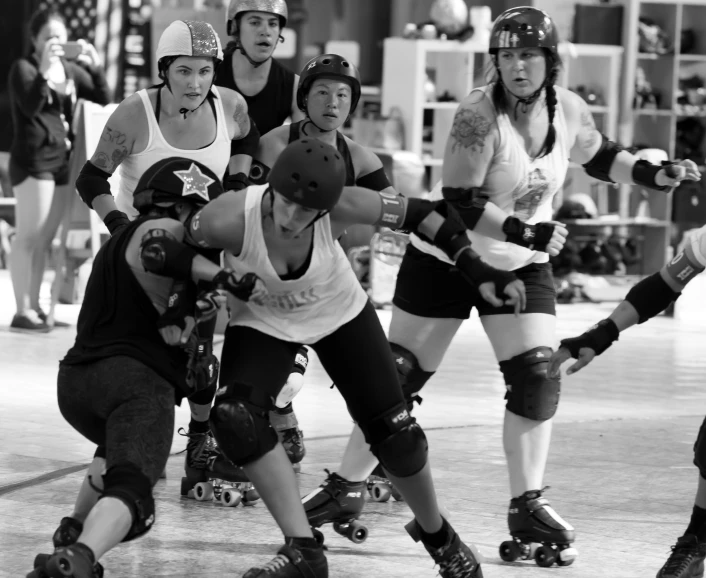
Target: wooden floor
pixel 620 467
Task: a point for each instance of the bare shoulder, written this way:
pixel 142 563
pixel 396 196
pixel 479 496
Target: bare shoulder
pixel 232 99
pixel 474 124
pixel 222 221
pixel 365 161
pixel 130 113
pixel 572 104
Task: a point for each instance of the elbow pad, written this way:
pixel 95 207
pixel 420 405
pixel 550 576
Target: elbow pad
pixel 469 203
pixel 237 182
pixel 248 144
pixel 162 254
pixel 91 183
pixel 651 296
pixel 258 173
pixel 599 166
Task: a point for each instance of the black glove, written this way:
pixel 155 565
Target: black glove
pixel 180 305
pixel 116 221
pixel 202 366
pixel 240 288
pixel 475 270
pixel 599 338
pixel 535 237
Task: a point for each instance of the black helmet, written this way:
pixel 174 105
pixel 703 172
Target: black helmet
pixel 310 173
pixel 176 180
pixel 328 66
pixel 523 27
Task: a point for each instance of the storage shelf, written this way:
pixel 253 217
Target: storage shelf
pixel 630 221
pixel 692 57
pixel 653 112
pixel 441 105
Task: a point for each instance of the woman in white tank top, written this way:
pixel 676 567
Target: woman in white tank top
pixel 509 149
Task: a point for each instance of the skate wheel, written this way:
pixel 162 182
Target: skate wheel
pixel 318 536
pixel 203 491
pixel 545 556
pixel 250 497
pixel 566 556
pixel 509 551
pixel 356 532
pixel 230 497
pixel 380 492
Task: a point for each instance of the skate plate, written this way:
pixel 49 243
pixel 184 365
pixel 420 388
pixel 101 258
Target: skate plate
pixel 382 489
pixel 229 494
pixel 544 554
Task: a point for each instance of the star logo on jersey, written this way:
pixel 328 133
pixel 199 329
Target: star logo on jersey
pixel 195 182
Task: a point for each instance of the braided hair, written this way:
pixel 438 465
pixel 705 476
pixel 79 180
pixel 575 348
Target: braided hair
pixel 500 100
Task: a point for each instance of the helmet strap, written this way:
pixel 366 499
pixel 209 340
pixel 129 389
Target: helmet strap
pixel 308 120
pixel 253 63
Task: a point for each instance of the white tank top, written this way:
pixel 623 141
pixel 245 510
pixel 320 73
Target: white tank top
pixel 300 310
pixel 215 156
pixel 520 186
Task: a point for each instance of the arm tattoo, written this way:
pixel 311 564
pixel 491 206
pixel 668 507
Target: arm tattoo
pixel 588 130
pixel 114 136
pixel 109 162
pixel 241 118
pixel 469 130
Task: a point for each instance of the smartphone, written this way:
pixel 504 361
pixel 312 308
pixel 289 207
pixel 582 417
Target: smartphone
pixel 72 50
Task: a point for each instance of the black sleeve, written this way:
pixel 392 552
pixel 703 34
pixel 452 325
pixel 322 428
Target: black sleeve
pixel 91 83
pixel 29 88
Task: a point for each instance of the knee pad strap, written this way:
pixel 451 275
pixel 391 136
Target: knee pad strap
pixel 412 377
pixel 530 392
pixel 127 483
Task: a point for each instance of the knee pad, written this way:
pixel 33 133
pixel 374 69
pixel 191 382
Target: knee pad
pixel 530 392
pixel 412 377
pixel 100 452
pixel 241 427
pixel 398 441
pixel 700 450
pixel 127 483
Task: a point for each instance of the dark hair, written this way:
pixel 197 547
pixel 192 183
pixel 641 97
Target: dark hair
pixel 163 66
pixel 233 45
pixel 39 20
pixel 499 97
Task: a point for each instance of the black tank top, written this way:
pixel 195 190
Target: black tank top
pixel 270 107
pixel 295 133
pixel 118 318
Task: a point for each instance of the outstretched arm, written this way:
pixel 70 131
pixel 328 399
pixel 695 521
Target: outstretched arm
pixel 645 300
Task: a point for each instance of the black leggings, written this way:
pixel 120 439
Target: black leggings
pixel 356 356
pixel 123 405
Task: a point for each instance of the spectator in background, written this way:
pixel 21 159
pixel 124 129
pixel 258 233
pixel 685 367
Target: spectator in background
pixel 44 89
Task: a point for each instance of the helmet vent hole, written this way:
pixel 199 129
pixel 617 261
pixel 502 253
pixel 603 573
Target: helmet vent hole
pixel 344 63
pixel 325 158
pixel 326 61
pixel 308 150
pixel 296 177
pixel 313 185
pixel 524 26
pixel 506 28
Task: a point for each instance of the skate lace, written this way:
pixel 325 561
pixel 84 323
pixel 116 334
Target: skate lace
pixel 457 566
pixel 277 563
pixel 199 447
pixel 679 560
pixel 292 436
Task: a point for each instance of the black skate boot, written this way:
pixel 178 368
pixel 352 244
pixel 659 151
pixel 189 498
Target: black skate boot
pixel 455 559
pixel 538 532
pixel 210 475
pixel 66 534
pixel 686 560
pixel 380 488
pixel 339 502
pixel 75 561
pixel 298 557
pixel 285 422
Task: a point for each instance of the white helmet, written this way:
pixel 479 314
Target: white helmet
pixel 190 38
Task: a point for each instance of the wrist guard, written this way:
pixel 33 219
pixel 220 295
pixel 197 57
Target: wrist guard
pixel 475 270
pixel 237 182
pixel 240 288
pixel 599 338
pixel 535 237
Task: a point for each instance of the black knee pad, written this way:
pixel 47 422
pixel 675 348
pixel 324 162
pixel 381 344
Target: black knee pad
pixel 127 483
pixel 241 427
pixel 530 392
pixel 412 377
pixel 700 450
pixel 100 452
pixel 398 441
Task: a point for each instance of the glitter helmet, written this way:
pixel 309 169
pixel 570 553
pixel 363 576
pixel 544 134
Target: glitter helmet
pixel 176 180
pixel 190 38
pixel 310 173
pixel 328 66
pixel 237 7
pixel 523 27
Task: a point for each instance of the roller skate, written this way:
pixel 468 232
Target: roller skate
pixel 455 559
pixel 339 502
pixel 286 425
pixel 66 534
pixel 686 560
pixel 380 488
pixel 538 533
pixel 75 561
pixel 210 476
pixel 298 557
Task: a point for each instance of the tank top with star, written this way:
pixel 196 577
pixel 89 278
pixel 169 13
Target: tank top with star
pixel 521 186
pixel 215 156
pixel 303 310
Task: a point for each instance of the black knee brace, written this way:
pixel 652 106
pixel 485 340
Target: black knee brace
pixel 127 483
pixel 240 422
pixel 100 452
pixel 412 377
pixel 398 442
pixel 530 392
pixel 700 450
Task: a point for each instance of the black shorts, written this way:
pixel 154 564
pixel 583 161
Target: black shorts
pixel 19 173
pixel 429 287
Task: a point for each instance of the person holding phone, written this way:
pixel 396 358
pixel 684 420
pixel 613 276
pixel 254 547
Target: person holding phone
pixel 44 89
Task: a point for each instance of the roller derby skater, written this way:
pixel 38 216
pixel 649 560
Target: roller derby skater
pixel 119 383
pixel 285 232
pixel 645 300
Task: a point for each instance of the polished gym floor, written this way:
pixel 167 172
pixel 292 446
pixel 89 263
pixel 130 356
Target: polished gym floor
pixel 620 467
